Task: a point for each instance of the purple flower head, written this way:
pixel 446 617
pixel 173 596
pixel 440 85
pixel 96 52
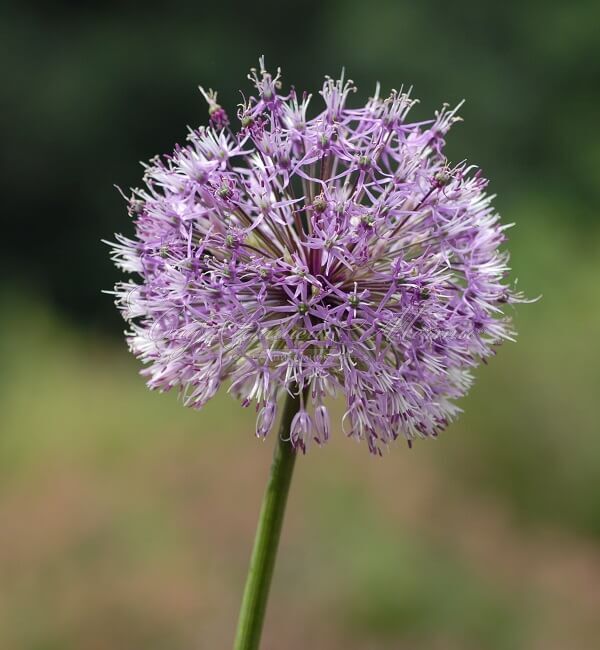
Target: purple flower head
pixel 334 253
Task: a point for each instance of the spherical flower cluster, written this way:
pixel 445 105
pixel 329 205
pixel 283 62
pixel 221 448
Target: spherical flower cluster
pixel 333 253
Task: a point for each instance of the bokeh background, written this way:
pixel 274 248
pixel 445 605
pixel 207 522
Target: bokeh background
pixel 126 520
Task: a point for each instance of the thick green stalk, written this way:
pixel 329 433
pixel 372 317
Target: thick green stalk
pixel 258 582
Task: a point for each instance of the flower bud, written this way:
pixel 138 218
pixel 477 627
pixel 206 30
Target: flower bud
pixel 265 419
pixel 321 424
pixel 300 430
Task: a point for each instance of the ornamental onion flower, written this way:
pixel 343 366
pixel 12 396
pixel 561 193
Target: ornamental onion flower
pixel 320 254
pixel 309 256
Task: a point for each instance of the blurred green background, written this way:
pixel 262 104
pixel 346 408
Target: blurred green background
pixel 126 520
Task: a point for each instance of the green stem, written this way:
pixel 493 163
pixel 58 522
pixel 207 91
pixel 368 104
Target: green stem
pixel 256 592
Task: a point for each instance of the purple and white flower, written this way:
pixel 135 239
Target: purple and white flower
pixel 340 253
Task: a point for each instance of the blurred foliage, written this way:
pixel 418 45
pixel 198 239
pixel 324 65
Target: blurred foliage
pixel 126 519
pixel 531 425
pixel 391 586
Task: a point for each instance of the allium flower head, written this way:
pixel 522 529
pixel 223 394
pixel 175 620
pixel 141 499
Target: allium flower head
pixel 335 253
